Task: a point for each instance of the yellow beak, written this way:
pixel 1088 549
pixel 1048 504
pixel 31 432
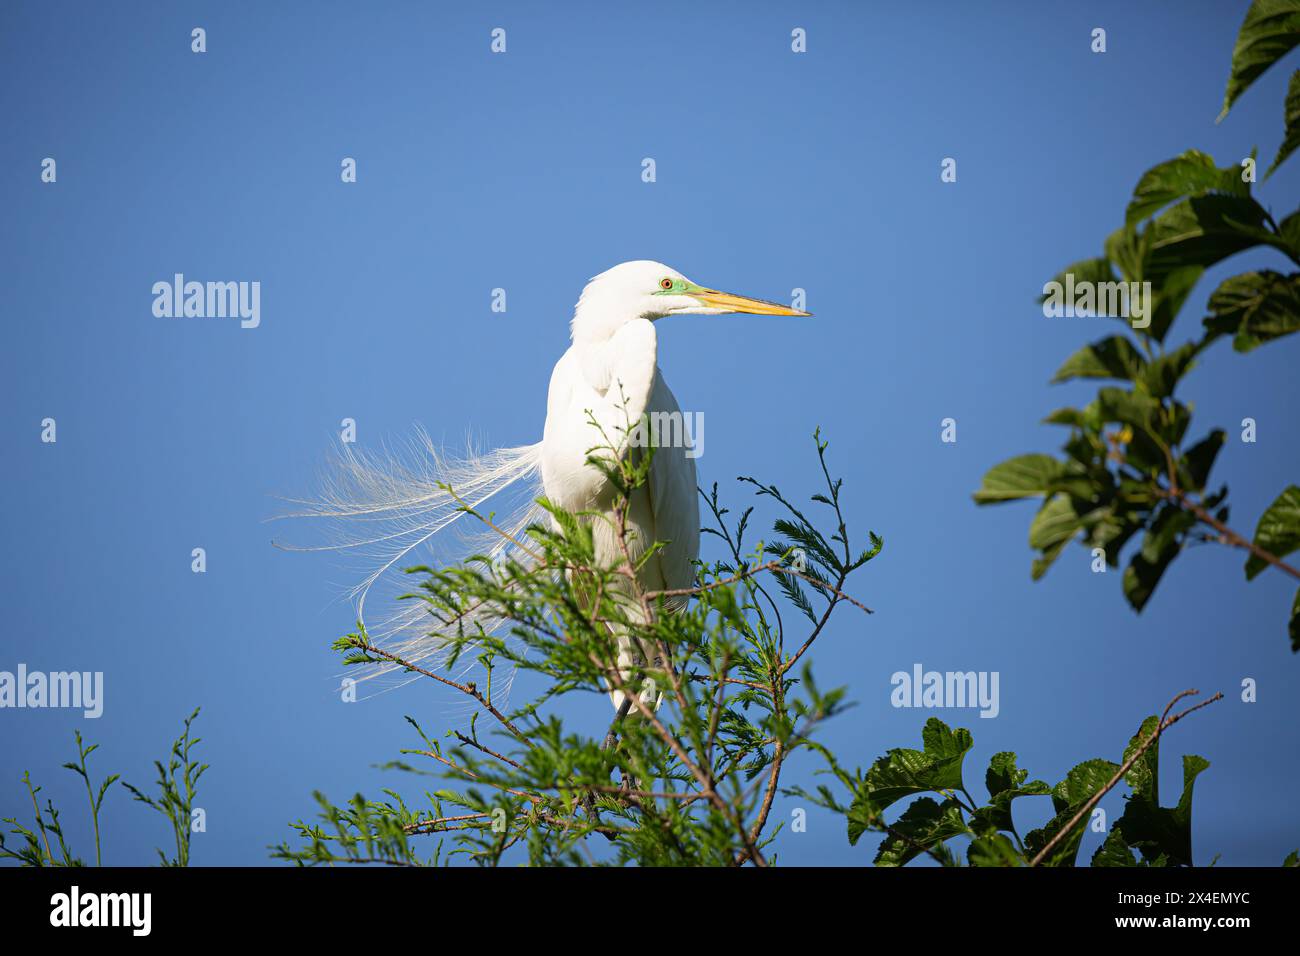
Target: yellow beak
pixel 739 303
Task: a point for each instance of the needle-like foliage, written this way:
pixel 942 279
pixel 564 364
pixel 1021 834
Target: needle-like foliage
pixel 177 788
pixel 689 783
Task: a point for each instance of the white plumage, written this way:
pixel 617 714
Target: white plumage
pixel 390 506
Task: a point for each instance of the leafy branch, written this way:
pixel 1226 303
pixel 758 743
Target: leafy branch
pixel 175 801
pixel 1161 835
pixel 689 781
pixel 1127 467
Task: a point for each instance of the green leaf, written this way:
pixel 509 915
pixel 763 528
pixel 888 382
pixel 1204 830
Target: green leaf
pixel 1202 231
pixel 1128 407
pixel 903 772
pixel 1003 774
pixel 1162 833
pixel 1191 174
pixel 1160 545
pixel 1113 534
pixel 1082 782
pixel 1294 627
pixel 1170 292
pixel 1291 116
pixel 923 826
pixel 1056 522
pixel 1194 467
pixel 1143 777
pixel 1270 30
pixel 1113 357
pixel 1288 231
pixel 1005 782
pixel 993 850
pixel 1128 248
pixel 1043 563
pixel 1114 851
pixel 1278 531
pixel 1025 476
pixel 1067 416
pixel 1255 307
pixel 1068 797
pixel 1096 270
pixel 1164 374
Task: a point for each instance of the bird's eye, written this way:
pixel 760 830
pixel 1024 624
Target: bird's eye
pixel 665 283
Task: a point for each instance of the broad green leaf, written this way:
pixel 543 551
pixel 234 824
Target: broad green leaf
pixel 1270 30
pixel 1113 357
pixel 1255 307
pixel 903 772
pixel 1005 782
pixel 993 850
pixel 1164 374
pixel 1191 174
pixel 1204 230
pixel 1114 851
pixel 1288 231
pixel 1172 422
pixel 947 746
pixel 1194 468
pixel 1043 563
pixel 1068 797
pixel 1066 416
pixel 1127 248
pixel 1128 407
pixel 1292 118
pixel 1160 545
pixel 1003 774
pixel 1096 270
pixel 1278 531
pixel 1214 219
pixel 1113 534
pixel 1294 627
pixel 1055 522
pixel 1143 777
pixel 1162 833
pixel 1082 782
pixel 1171 291
pixel 1087 484
pixel 1025 476
pixel 923 826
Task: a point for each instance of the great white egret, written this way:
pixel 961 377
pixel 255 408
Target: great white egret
pixel 607 380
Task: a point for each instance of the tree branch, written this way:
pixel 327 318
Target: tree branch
pixel 1165 723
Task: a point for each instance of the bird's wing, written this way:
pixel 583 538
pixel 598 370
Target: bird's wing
pixel 674 498
pixel 632 353
pixel 610 385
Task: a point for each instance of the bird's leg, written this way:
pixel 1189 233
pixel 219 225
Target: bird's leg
pixel 611 738
pixel 610 742
pixel 627 782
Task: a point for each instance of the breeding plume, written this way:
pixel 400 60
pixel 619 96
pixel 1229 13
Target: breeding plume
pixel 607 381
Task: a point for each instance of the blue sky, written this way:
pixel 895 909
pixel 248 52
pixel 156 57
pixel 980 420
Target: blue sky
pixel 522 171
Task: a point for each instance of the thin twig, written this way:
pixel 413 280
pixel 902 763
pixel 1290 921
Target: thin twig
pixel 1229 536
pixel 1165 723
pixel 487 750
pixel 471 689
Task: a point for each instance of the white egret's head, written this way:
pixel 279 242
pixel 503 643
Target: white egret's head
pixel 651 290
